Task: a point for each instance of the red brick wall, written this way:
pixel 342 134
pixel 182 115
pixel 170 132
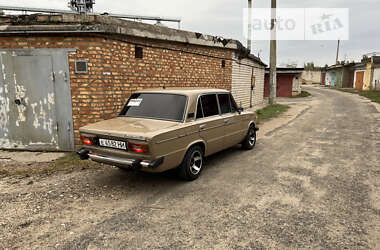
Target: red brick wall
pixel 96 96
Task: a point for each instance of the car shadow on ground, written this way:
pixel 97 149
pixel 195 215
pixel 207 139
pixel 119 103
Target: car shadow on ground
pixel 117 178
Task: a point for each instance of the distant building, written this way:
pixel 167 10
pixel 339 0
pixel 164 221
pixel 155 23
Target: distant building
pixel 312 76
pixel 371 79
pixel 288 82
pixel 340 75
pixel 364 75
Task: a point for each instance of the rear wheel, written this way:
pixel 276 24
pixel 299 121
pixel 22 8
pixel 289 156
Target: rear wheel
pixel 191 167
pixel 250 140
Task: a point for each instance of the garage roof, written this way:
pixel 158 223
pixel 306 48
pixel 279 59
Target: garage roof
pixel 286 70
pixel 75 23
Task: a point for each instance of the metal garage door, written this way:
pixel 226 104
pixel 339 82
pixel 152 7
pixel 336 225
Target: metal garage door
pixel 31 116
pixel 323 81
pixel 284 85
pixel 332 79
pixel 359 80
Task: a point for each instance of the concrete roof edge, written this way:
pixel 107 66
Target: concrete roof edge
pixel 337 66
pixel 246 53
pixel 287 70
pixel 109 25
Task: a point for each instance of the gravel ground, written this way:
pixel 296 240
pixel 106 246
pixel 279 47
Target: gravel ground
pixel 313 181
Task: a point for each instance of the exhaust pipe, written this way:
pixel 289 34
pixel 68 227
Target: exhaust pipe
pixel 83 154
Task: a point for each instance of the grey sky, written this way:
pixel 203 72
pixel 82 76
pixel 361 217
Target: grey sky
pixel 224 18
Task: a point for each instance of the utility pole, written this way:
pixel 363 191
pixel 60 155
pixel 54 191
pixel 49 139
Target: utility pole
pixel 273 55
pixel 249 42
pixel 337 52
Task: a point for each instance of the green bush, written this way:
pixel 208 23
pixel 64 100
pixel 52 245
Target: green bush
pixel 271 111
pixel 302 94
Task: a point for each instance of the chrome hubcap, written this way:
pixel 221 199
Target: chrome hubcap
pixel 252 137
pixel 196 162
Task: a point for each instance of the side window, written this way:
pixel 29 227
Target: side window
pixel 199 109
pixel 209 105
pixel 233 104
pixel 224 102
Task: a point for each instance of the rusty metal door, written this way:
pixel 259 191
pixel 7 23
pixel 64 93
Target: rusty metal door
pixel 284 85
pixel 323 81
pixel 31 97
pixel 359 80
pixel 35 100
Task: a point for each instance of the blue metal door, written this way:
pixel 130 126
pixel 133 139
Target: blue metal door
pixel 333 79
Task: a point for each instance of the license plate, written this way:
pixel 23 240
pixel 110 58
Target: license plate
pixel 113 144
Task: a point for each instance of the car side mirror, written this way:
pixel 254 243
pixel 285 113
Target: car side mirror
pixel 240 108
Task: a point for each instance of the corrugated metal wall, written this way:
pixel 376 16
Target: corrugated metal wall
pixel 241 82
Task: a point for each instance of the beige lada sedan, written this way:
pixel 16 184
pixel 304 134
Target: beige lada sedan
pixel 163 129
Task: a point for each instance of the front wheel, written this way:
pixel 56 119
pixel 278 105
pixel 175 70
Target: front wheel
pixel 191 167
pixel 250 140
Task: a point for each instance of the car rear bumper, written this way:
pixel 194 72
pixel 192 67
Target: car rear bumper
pixel 120 162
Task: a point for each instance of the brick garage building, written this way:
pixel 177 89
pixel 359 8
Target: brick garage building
pixel 61 72
pixel 288 82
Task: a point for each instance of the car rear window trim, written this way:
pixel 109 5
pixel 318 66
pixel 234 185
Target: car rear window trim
pixel 155 118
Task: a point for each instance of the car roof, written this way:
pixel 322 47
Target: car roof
pixel 184 91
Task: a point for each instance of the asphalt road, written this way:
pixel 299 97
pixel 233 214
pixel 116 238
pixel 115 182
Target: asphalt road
pixel 314 182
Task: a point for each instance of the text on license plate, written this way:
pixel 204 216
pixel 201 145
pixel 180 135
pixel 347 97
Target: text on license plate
pixel 113 144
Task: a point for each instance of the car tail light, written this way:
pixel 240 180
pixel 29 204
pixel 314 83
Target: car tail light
pixel 87 140
pixel 138 148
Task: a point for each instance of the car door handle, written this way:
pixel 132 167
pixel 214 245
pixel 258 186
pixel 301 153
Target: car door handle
pixel 203 126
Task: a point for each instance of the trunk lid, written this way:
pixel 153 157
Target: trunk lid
pixel 128 126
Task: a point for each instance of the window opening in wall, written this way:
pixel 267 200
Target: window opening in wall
pixel 138 52
pixel 81 67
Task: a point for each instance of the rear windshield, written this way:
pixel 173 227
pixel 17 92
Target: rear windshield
pixel 156 106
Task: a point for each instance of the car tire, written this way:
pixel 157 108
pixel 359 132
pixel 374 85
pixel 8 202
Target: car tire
pixel 250 140
pixel 191 166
